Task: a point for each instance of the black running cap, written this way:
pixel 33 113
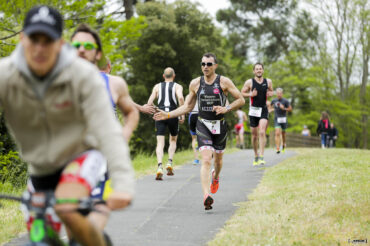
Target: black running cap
pixel 44 19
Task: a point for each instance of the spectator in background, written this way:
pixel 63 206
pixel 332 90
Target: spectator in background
pixel 306 131
pixel 332 135
pixel 323 128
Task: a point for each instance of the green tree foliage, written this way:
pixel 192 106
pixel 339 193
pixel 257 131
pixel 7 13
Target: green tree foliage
pixel 13 170
pixel 12 14
pixel 177 36
pixel 268 28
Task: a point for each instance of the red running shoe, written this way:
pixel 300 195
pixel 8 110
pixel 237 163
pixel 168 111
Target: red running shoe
pixel 214 184
pixel 208 200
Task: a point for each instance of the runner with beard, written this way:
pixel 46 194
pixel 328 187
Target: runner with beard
pixel 258 89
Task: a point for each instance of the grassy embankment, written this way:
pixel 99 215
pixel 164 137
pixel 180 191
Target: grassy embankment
pixel 320 197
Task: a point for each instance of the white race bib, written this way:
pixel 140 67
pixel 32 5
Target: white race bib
pixel 255 111
pixel 281 120
pixel 213 126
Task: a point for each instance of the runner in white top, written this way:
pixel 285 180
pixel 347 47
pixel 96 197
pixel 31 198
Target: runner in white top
pixel 239 128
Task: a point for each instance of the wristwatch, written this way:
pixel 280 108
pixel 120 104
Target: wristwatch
pixel 228 108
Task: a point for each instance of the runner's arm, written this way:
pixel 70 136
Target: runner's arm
pixel 154 95
pixel 146 108
pixel 246 90
pixel 180 98
pixel 189 104
pixel 127 107
pixel 102 124
pixel 270 91
pixel 289 107
pixel 270 106
pixel 231 88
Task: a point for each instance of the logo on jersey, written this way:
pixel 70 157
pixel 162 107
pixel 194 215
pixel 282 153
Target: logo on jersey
pixel 216 91
pixel 207 141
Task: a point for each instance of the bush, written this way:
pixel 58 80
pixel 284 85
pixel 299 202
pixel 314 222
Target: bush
pixel 13 170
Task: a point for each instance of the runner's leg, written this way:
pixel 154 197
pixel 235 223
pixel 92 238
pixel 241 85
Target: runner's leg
pixel 159 149
pixel 218 164
pixel 277 137
pixel 241 137
pixel 283 134
pixel 194 146
pixel 172 147
pixel 262 135
pixel 205 170
pixel 254 131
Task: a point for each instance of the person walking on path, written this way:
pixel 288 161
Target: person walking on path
pixel 167 92
pixel 323 127
pixel 239 128
pixel 258 89
pixel 281 106
pixel 193 118
pixel 210 91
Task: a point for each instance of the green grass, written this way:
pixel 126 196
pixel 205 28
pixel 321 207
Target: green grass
pixel 320 197
pixel 145 164
pixel 12 222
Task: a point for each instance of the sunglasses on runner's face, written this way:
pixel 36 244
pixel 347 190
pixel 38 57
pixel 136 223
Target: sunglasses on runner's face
pixel 86 45
pixel 209 64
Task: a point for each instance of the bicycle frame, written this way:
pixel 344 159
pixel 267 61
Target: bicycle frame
pixel 38 209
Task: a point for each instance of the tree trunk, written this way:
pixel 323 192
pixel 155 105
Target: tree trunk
pixel 129 10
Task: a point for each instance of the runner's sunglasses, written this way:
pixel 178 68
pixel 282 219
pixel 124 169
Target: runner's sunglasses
pixel 86 45
pixel 209 64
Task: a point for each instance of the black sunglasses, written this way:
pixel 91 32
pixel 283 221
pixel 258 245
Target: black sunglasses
pixel 209 64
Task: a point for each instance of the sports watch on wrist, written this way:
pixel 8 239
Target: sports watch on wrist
pixel 228 108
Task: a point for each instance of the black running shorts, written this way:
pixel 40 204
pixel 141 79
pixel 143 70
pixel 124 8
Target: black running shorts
pixel 172 124
pixel 207 140
pixel 254 121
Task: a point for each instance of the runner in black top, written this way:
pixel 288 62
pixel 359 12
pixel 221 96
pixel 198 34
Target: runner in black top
pixel 167 92
pixel 280 105
pixel 258 89
pixel 210 91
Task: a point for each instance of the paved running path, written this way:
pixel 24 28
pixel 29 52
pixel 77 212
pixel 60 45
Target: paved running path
pixel 171 212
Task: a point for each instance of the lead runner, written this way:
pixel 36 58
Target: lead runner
pixel 210 92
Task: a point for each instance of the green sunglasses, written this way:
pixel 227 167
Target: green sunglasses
pixel 86 45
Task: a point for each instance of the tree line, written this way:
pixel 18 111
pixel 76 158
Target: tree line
pixel 318 54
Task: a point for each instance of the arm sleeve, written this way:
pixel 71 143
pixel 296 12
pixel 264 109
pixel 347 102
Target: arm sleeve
pixel 99 116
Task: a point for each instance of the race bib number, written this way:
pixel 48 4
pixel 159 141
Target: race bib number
pixel 213 126
pixel 281 120
pixel 255 111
